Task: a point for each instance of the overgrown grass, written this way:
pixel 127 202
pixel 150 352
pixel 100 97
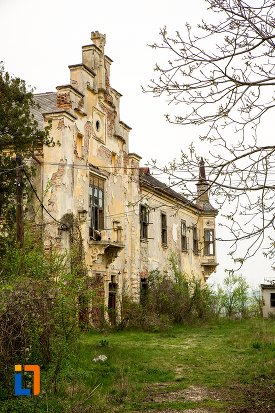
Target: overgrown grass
pixel 188 367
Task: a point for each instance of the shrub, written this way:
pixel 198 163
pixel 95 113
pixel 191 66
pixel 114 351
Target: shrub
pixel 169 299
pixel 38 311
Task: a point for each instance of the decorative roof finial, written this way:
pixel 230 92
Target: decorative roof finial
pixel 202 185
pixel 202 175
pixel 99 40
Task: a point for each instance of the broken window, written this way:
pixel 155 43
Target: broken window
pixel 163 229
pixel 184 246
pixel 195 241
pixel 272 299
pixel 112 301
pixel 96 204
pixel 209 246
pixel 143 289
pixel 144 222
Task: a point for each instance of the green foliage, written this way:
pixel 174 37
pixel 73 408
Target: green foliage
pixel 169 299
pixel 234 296
pixel 18 128
pixel 39 309
pixel 198 368
pixel 19 134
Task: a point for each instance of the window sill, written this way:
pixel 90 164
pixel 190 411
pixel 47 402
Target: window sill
pixel 185 251
pixel 164 246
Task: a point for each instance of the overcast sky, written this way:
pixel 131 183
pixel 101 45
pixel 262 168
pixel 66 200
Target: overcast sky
pixel 39 39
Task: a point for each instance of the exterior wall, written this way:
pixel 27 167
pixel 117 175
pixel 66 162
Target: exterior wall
pixel 154 255
pixel 91 140
pixel 267 309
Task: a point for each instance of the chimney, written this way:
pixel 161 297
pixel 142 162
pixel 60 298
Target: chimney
pixel 202 185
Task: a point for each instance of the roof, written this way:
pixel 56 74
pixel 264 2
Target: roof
pixel 47 104
pixel 147 180
pixel 268 286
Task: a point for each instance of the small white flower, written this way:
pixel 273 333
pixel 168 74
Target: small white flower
pixel 100 358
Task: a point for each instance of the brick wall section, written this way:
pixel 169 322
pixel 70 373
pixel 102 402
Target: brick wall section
pixel 64 101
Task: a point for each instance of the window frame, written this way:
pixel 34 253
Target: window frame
pixel 195 240
pixel 184 240
pixel 163 218
pixel 209 243
pixel 96 205
pixel 144 221
pixel 272 300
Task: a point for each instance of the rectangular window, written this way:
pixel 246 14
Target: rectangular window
pixel 209 246
pixel 183 236
pixel 272 299
pixel 96 205
pixel 79 145
pixel 164 229
pixel 144 222
pixel 195 241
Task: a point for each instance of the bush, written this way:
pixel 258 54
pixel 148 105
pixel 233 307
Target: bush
pixel 169 299
pixel 38 312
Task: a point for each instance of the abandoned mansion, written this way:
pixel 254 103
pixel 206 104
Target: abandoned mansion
pixel 130 222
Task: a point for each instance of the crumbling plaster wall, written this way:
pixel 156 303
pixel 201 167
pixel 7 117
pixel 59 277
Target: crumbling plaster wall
pixel 156 256
pixel 92 139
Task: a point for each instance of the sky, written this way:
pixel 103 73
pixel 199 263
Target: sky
pixel 39 39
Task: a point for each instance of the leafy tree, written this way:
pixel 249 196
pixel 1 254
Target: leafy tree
pixel 19 134
pixel 222 78
pixel 234 295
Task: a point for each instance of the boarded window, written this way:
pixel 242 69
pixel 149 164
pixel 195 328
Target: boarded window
pixel 209 245
pixel 144 222
pixel 163 229
pixel 184 246
pixel 96 204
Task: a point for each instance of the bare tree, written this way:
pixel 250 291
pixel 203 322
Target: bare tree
pixel 223 78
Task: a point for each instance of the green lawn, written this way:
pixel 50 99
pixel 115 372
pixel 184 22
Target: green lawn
pixel 221 367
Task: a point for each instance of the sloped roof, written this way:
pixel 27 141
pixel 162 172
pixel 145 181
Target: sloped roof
pixel 147 180
pixel 150 182
pixel 47 104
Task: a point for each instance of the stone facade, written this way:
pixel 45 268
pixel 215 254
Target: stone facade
pixel 130 223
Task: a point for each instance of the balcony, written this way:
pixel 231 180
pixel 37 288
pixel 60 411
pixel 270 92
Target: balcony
pixel 209 265
pixel 105 249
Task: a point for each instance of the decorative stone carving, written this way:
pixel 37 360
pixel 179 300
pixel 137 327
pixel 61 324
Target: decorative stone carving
pixel 96 250
pixel 107 250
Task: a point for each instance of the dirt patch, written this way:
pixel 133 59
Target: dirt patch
pixel 257 398
pixel 161 393
pixel 177 411
pixel 240 398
